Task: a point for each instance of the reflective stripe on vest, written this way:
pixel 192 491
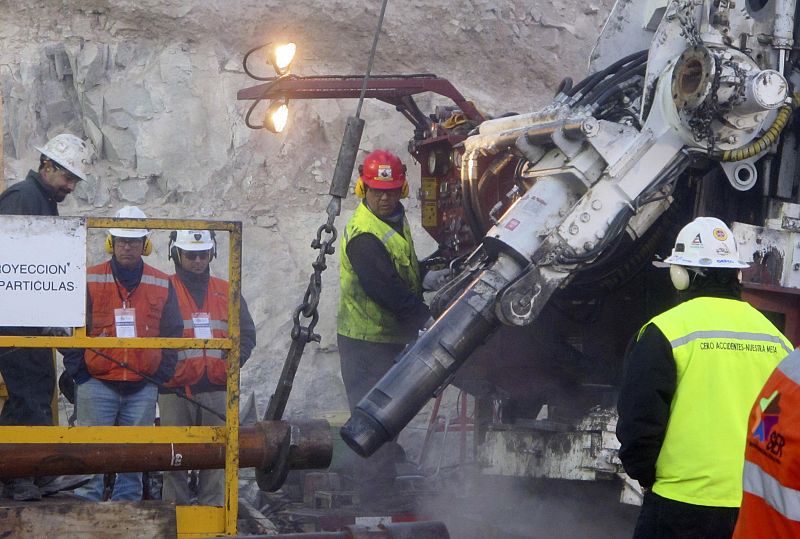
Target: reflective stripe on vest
pixel 784 500
pixel 359 316
pixel 791 368
pixel 195 364
pixel 734 335
pixel 148 299
pixel 724 351
pixel 146 279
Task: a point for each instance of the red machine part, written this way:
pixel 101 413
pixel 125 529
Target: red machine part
pixel 455 213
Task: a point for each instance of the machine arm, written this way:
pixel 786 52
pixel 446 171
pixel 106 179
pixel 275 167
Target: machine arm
pixel 602 161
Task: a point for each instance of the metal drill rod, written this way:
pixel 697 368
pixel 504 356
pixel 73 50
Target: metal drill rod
pixel 259 447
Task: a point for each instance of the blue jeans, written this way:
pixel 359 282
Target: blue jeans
pixel 101 405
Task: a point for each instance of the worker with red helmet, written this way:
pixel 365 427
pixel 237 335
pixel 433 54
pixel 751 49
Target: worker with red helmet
pixel 380 305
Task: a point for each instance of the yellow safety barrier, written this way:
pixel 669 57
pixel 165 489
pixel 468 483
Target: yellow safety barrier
pixel 215 520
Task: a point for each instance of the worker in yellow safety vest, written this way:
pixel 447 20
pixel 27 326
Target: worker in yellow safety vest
pixel 380 305
pixel 693 373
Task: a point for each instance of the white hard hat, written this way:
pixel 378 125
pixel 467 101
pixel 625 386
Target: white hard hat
pixel 706 242
pixel 194 240
pixel 70 152
pixel 129 212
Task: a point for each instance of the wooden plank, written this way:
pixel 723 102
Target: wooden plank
pixel 87 520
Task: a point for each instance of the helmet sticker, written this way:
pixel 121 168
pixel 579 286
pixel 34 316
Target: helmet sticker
pixel 385 172
pixel 720 234
pixel 705 261
pixel 697 241
pixel 723 250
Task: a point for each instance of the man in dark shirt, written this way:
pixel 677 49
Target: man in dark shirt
pixel 692 374
pixel 380 306
pixel 28 373
pixel 203 301
pixel 126 298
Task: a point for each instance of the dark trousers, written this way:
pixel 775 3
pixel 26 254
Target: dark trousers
pixel 662 518
pixel 30 378
pixel 363 364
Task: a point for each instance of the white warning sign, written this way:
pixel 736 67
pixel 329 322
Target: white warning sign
pixel 42 271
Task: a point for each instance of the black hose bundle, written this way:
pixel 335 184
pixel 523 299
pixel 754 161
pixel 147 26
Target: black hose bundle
pixel 589 83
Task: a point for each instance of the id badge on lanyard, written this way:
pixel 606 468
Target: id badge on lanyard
pixel 201 322
pixel 125 320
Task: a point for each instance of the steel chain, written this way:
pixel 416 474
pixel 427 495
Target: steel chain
pixel 308 308
pixel 685 15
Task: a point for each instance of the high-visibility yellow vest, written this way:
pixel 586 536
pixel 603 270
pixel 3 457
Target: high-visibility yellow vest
pixel 359 316
pixel 724 351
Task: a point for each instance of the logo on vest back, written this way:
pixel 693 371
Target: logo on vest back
pixel 767 416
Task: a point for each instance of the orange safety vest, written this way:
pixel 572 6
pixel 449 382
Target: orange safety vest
pixel 148 299
pixel 771 502
pixel 193 364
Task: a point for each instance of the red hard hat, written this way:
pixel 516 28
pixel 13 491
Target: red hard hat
pixel 383 170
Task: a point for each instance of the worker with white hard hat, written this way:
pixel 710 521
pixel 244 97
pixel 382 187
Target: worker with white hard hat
pixel 64 161
pixel 28 373
pixel 203 301
pixel 114 386
pixel 692 375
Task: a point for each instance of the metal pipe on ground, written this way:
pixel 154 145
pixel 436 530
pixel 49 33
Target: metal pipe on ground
pixel 260 447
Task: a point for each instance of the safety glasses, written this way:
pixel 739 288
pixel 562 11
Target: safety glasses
pixel 69 175
pixel 193 255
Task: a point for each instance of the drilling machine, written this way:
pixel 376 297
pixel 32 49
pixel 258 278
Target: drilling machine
pixel 550 221
pixel 694 118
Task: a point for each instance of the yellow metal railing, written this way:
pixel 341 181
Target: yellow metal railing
pixel 213 517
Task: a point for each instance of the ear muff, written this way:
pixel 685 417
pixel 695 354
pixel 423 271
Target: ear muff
pixel 214 240
pixel 360 189
pixel 172 252
pixel 146 250
pixel 148 246
pixel 680 277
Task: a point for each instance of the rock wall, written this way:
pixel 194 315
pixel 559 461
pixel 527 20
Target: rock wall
pixel 153 84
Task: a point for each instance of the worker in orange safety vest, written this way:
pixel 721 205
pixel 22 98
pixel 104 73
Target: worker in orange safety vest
pixel 771 481
pixel 202 374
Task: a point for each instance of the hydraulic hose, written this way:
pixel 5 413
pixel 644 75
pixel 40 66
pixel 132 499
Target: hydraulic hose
pixel 767 139
pixel 636 68
pixel 591 80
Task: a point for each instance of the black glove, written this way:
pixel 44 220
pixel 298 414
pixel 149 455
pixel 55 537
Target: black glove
pixel 67 386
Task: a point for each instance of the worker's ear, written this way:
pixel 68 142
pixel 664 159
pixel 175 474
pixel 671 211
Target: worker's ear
pixel 679 276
